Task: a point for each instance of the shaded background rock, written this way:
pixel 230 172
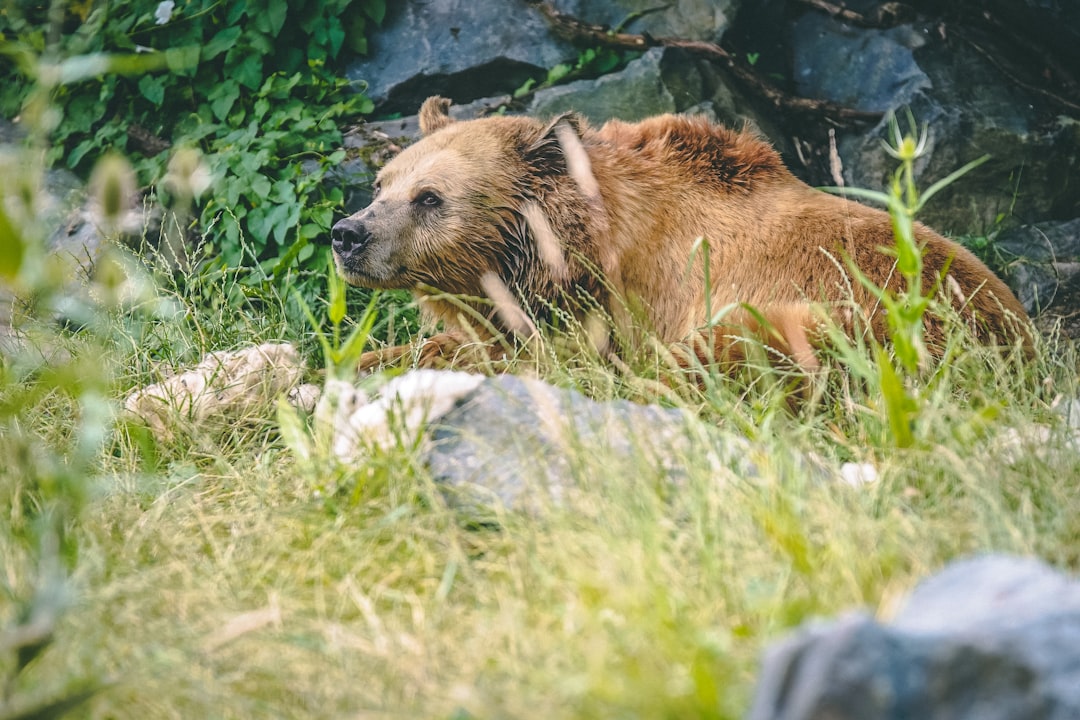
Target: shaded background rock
pixel 990 638
pixel 971 111
pixel 1043 266
pixel 862 68
pixel 637 92
pixel 468 50
pixel 662 80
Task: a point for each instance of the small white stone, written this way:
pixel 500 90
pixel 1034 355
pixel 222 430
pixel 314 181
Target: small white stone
pixel 858 474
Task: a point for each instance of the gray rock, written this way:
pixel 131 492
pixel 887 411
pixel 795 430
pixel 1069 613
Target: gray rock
pixel 887 76
pixel 637 92
pixel 525 443
pixel 468 50
pixel 662 80
pixel 1043 264
pixel 990 638
pixel 688 19
pixel 970 108
pixel 455 48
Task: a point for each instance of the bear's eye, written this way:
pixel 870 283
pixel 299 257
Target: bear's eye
pixel 376 188
pixel 427 199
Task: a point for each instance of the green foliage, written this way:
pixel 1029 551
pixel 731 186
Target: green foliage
pixel 342 355
pixel 250 83
pixel 591 62
pixel 55 415
pixel 900 368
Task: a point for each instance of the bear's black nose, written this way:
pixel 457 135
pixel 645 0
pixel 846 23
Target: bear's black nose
pixel 349 235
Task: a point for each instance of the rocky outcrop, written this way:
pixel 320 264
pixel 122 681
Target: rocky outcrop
pixel 662 80
pixel 969 110
pixel 990 638
pixel 691 19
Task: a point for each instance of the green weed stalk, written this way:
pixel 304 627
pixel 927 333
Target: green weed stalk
pixel 899 372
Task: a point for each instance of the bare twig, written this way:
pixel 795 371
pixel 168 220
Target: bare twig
pixel 885 15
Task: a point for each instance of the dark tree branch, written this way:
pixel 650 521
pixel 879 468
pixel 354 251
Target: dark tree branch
pixel 886 15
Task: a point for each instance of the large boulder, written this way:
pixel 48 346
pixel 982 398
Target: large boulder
pixel 989 638
pixel 455 48
pixel 637 92
pixel 662 80
pixel 970 108
pixel 888 75
pixel 522 444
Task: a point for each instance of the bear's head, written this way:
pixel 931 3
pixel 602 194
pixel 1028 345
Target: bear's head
pixel 464 202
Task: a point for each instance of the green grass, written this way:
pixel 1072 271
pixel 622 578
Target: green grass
pixel 212 580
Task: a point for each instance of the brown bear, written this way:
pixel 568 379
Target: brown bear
pixel 483 216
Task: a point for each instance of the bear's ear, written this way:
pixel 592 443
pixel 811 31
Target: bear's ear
pixel 557 140
pixel 434 114
pixel 560 148
pixel 556 128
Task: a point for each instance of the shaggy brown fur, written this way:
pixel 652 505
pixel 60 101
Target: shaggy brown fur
pixel 563 216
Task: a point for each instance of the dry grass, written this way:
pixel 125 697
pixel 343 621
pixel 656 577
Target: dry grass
pixel 213 581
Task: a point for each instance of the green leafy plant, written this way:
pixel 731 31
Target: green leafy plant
pixel 46 375
pixel 899 368
pixel 591 62
pixel 250 83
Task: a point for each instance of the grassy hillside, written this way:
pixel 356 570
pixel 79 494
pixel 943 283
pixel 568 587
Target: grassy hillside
pixel 212 579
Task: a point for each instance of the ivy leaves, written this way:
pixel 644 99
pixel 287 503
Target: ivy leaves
pixel 251 83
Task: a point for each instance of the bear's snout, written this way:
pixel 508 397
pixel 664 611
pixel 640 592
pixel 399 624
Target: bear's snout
pixel 349 236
